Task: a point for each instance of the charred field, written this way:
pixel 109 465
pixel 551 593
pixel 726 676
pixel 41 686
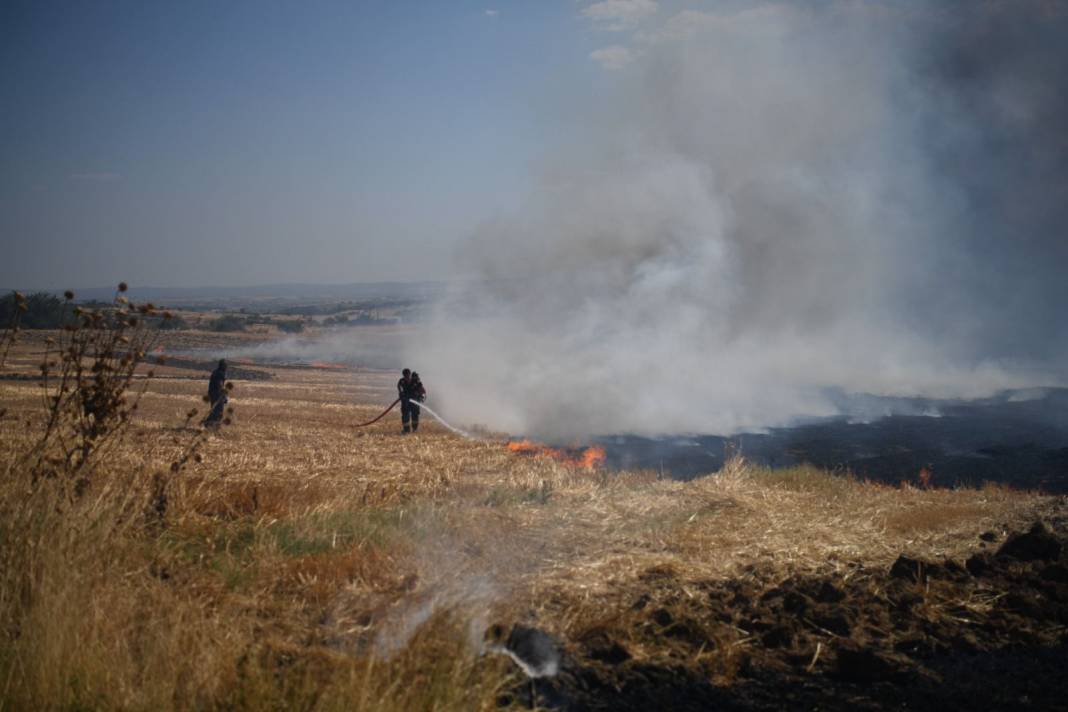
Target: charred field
pixel 300 563
pixel 1016 438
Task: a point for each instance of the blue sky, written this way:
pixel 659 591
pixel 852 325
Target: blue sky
pixel 204 143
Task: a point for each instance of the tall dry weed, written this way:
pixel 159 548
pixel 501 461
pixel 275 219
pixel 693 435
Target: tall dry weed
pixel 124 585
pixel 72 526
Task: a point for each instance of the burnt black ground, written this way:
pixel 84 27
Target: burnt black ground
pixel 987 633
pixel 1018 438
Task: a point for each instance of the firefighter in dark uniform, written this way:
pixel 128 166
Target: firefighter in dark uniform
pixel 217 395
pixel 410 390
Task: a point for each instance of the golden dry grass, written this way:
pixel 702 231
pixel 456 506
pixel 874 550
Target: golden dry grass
pixel 308 564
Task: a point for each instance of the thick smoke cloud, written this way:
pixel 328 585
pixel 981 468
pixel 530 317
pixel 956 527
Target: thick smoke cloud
pixel 782 202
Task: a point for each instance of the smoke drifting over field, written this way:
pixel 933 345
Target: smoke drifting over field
pixel 778 200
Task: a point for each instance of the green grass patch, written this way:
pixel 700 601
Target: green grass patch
pixel 510 496
pixel 235 539
pixel 321 532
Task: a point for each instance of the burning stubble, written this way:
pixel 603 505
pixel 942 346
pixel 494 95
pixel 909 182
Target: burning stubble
pixel 779 203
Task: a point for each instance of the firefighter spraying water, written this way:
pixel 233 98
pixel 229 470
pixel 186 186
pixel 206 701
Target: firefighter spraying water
pixel 410 393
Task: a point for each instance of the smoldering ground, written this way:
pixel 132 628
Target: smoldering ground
pixel 381 349
pixel 776 202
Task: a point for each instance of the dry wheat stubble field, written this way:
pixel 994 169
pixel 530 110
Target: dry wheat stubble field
pixel 306 564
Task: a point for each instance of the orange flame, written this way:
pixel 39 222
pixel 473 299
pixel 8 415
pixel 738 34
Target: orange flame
pixel 523 446
pixel 925 478
pixel 590 458
pixel 593 458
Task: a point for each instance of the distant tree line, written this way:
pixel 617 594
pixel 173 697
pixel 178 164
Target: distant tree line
pixel 43 311
pixel 236 322
pixel 351 306
pixel 361 319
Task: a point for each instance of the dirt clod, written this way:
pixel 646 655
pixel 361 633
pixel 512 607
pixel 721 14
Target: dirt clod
pixel 1057 573
pixel 610 652
pixel 856 663
pixel 1035 545
pixel 906 568
pixel 977 564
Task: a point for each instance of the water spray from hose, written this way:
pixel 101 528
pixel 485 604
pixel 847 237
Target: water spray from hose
pixel 458 431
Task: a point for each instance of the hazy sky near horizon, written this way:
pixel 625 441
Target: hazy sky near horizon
pixel 234 143
pixel 862 195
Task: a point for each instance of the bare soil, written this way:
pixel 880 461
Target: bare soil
pixel 990 632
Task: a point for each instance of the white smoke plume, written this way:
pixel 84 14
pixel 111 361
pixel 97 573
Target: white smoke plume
pixel 350 347
pixel 778 201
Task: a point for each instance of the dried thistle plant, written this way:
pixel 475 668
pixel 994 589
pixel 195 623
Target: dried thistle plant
pixel 10 333
pixel 91 388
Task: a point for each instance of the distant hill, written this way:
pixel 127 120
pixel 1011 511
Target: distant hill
pixel 355 291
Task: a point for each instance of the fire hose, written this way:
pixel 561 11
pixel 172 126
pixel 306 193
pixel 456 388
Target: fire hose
pixel 383 415
pixel 458 431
